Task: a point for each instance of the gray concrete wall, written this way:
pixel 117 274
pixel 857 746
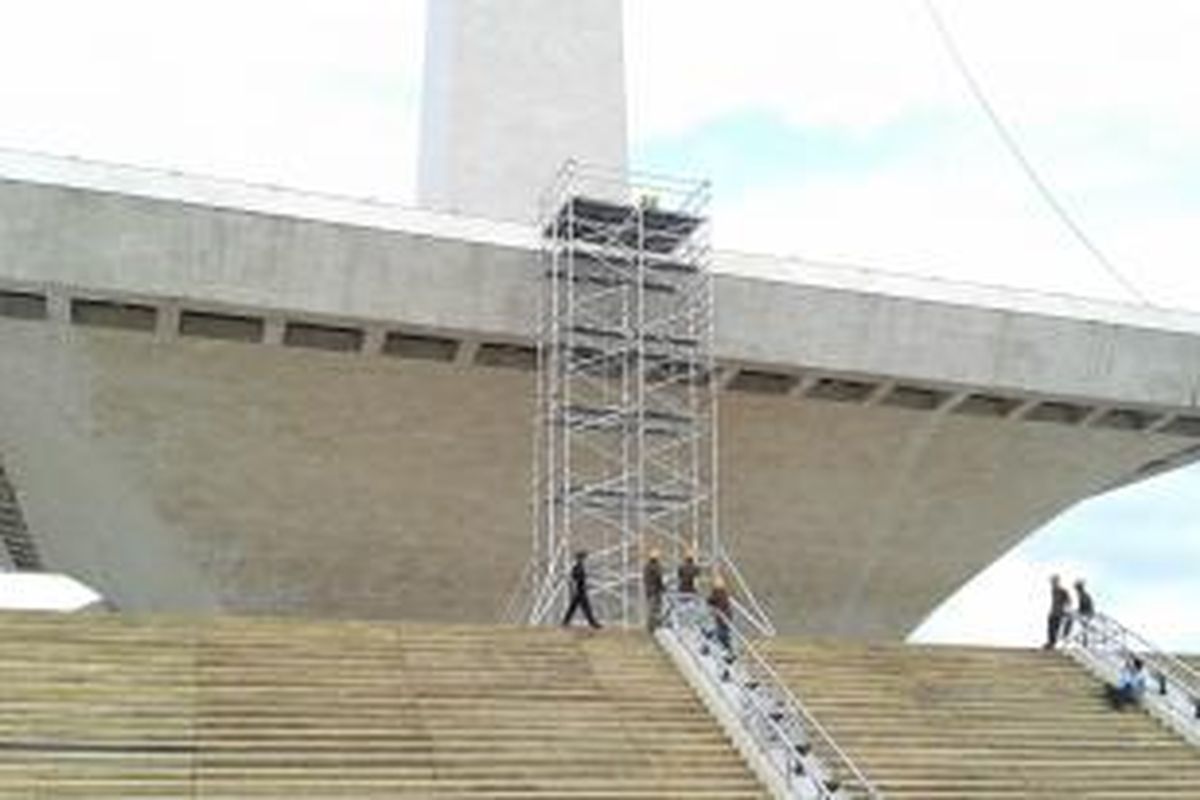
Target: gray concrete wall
pixel 882 440
pixel 197 474
pixel 480 283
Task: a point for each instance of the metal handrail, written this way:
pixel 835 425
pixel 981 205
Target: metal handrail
pixel 1105 644
pixel 781 726
pixel 753 612
pixel 514 611
pixel 1107 627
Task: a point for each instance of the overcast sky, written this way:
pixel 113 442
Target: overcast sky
pixel 836 130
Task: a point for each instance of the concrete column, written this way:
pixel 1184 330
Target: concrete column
pixel 273 330
pixel 167 321
pixel 513 89
pixel 373 340
pixel 465 355
pixel 58 306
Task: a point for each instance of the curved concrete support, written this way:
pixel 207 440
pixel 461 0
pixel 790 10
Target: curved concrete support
pixel 86 503
pixel 195 474
pixel 859 521
pixel 17 548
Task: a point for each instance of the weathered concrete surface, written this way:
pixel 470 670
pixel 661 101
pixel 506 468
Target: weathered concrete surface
pixel 171 471
pixel 135 235
pixel 192 474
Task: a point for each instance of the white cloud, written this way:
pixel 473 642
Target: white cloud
pixel 854 63
pixel 862 63
pixel 311 93
pixel 1094 91
pixel 968 219
pixel 1005 605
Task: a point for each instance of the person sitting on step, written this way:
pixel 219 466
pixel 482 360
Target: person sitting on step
pixel 1130 685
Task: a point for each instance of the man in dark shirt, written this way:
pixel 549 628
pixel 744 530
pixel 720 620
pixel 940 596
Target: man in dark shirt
pixel 688 572
pixel 1060 605
pixel 652 578
pixel 1084 605
pixel 579 594
pixel 1085 609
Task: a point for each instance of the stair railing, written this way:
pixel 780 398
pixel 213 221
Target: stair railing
pixel 1104 645
pixel 802 757
pixel 515 610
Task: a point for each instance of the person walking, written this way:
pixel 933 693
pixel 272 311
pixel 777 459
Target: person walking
pixel 579 593
pixel 722 610
pixel 652 579
pixel 1060 606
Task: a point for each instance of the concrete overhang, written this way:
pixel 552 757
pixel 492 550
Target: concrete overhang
pixel 883 437
pixel 75 231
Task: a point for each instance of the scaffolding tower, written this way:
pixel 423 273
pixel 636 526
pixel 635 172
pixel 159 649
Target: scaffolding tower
pixel 625 446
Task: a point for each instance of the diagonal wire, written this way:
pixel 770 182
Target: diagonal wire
pixel 1014 149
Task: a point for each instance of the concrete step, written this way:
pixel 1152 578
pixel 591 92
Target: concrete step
pixel 113 706
pixel 940 722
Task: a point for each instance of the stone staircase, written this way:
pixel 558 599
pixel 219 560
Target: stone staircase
pixel 121 707
pixel 970 722
pixel 16 546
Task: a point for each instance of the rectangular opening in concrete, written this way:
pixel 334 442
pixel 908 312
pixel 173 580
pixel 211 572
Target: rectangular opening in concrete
pixel 605 362
pixel 502 354
pixel 1182 426
pixel 413 345
pixel 987 405
pixel 762 382
pixel 322 337
pixel 919 398
pixel 110 314
pixel 22 305
pixel 230 327
pixel 841 390
pixel 1058 411
pixel 1125 419
pixel 681 371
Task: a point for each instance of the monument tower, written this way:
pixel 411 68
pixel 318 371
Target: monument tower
pixel 513 90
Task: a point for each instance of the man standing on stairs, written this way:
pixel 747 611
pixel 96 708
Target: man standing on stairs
pixel 579 593
pixel 1060 606
pixel 687 573
pixel 1085 609
pixel 652 578
pixel 1084 605
pixel 722 611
